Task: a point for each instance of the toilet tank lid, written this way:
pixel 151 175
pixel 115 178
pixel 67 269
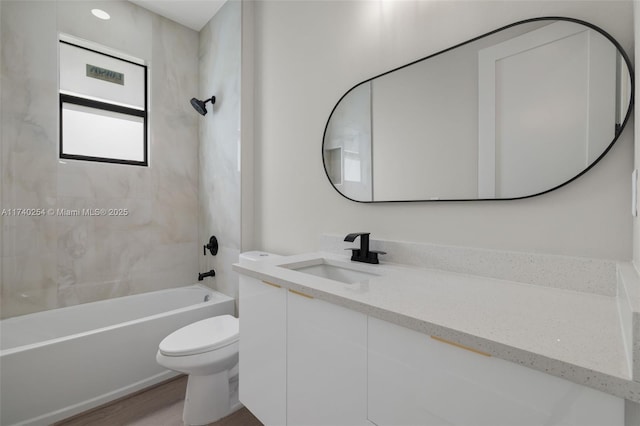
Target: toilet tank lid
pixel 256 256
pixel 202 336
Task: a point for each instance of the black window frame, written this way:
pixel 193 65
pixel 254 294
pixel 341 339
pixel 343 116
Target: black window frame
pixel 106 106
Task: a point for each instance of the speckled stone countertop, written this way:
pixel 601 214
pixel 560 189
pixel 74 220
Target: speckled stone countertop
pixel 569 334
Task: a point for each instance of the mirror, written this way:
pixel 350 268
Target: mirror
pixel 514 113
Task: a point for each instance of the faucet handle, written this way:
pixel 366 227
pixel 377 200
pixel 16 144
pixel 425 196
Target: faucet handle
pixel 212 246
pixel 356 254
pixel 370 256
pixel 373 256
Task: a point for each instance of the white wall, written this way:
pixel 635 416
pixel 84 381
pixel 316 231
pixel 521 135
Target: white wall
pixel 1 144
pixel 347 144
pixel 636 220
pixel 438 159
pixel 309 53
pixel 427 115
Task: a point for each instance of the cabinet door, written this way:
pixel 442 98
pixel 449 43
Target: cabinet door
pixel 263 316
pixel 416 380
pixel 326 363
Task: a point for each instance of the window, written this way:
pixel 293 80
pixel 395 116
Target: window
pixel 103 107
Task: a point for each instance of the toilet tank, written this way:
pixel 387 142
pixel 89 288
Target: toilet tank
pixel 255 256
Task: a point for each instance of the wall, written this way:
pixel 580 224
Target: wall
pixel 2 219
pixel 247 92
pixel 636 220
pixel 309 53
pixel 436 132
pixel 219 166
pixel 54 261
pixel 347 144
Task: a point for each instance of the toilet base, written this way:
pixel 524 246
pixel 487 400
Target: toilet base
pixel 207 398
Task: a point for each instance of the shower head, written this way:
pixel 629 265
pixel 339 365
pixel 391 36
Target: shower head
pixel 199 105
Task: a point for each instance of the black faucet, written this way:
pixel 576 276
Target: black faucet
pixel 202 276
pixel 362 254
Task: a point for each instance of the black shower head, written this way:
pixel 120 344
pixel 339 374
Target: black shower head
pixel 199 105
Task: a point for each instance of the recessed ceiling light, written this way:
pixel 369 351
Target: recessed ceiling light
pixel 100 14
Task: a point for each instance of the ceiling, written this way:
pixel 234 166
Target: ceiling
pixel 193 14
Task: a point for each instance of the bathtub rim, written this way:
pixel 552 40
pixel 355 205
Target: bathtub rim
pixel 213 301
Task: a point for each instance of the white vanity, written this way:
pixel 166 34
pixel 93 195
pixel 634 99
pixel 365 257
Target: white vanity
pixel 326 341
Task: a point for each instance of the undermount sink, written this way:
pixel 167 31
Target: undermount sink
pixel 332 270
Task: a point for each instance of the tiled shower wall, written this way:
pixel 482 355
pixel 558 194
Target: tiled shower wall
pixel 55 261
pixel 219 183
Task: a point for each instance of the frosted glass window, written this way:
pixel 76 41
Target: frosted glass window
pixel 103 107
pixel 99 133
pixel 93 75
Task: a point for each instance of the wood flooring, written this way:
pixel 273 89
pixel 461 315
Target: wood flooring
pixel 160 405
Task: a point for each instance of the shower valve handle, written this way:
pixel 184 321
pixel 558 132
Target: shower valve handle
pixel 212 246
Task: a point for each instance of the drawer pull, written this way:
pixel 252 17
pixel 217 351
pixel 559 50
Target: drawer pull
pixel 301 294
pixel 272 284
pixel 440 339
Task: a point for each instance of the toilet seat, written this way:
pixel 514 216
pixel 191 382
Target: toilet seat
pixel 202 336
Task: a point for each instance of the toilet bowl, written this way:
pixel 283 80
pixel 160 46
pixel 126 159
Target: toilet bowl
pixel 207 351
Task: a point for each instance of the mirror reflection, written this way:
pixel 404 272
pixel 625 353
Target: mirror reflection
pixel 512 114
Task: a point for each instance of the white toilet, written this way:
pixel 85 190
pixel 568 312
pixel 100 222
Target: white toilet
pixel 207 351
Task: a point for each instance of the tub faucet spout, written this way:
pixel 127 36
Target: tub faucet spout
pixel 202 276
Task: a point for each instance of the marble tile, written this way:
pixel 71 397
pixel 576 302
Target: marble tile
pixel 596 276
pixel 67 259
pixel 28 132
pixel 174 160
pixel 123 214
pixel 166 266
pixel 102 180
pixel 85 293
pixel 29 99
pixel 23 235
pixel 174 205
pixel 28 283
pixel 129 30
pixel 219 173
pixel 174 212
pixel 226 280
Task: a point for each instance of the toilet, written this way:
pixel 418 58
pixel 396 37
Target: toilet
pixel 207 351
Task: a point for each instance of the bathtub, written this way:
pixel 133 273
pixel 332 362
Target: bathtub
pixel 58 363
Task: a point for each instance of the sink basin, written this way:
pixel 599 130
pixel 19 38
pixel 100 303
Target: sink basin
pixel 332 270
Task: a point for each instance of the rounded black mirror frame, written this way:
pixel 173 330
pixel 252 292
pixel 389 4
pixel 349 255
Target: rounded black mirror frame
pixel 544 18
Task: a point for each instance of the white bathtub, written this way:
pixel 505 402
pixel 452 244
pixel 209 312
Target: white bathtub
pixel 58 363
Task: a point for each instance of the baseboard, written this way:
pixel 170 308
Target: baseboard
pixel 133 406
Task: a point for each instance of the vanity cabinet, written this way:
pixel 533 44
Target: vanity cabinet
pixel 414 379
pixel 303 361
pixel 263 357
pixel 326 363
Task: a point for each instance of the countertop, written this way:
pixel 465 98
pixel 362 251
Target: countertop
pixel 568 334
